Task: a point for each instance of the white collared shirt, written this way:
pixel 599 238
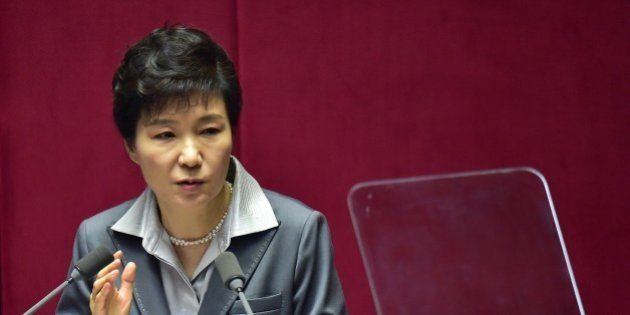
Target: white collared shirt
pixel 249 212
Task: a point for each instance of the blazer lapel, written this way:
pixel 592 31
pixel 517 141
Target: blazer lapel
pixel 248 249
pixel 147 289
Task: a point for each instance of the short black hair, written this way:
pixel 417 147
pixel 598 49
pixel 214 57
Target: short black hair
pixel 172 64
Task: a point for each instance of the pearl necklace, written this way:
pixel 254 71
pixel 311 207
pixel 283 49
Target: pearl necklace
pixel 181 242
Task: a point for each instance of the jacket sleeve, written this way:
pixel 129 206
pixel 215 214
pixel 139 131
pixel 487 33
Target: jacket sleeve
pixel 317 286
pixel 76 297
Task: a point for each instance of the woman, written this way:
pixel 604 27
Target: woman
pixel 176 103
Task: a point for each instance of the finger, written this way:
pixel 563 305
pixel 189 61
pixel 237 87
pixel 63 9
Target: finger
pixel 107 269
pixel 118 255
pixel 128 277
pixel 99 283
pixel 102 299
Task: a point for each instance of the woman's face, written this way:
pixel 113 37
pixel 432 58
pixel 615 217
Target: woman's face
pixel 184 154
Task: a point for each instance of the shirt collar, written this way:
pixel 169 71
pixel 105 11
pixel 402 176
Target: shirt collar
pixel 249 212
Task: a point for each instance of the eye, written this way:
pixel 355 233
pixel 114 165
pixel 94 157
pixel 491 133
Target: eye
pixel 210 131
pixel 164 135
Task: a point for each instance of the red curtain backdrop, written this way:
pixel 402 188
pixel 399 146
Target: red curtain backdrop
pixel 335 93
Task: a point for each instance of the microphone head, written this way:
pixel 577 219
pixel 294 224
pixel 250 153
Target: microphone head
pixel 229 269
pixel 94 261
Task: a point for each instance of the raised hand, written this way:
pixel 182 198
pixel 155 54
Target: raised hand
pixel 106 299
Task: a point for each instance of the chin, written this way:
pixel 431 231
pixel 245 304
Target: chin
pixel 191 200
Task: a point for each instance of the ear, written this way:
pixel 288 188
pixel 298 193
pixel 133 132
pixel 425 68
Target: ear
pixel 131 151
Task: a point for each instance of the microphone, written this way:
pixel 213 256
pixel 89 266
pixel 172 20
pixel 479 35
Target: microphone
pixel 232 276
pixel 87 266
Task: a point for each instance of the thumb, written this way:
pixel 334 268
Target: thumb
pixel 127 279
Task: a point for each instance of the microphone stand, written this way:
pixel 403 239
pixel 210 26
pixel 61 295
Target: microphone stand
pixel 241 295
pixel 48 297
pixel 87 266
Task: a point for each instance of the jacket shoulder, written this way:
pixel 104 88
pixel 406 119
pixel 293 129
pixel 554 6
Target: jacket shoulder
pixel 93 231
pixel 290 211
pixel 107 218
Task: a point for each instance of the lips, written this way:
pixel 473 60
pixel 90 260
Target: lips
pixel 190 184
pixel 189 181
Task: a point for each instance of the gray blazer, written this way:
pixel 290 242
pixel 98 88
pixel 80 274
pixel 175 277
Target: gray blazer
pixel 288 269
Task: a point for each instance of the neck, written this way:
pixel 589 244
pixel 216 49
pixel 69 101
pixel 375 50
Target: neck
pixel 195 223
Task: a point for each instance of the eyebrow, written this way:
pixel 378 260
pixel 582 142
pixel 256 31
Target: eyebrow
pixel 160 122
pixel 210 118
pixel 166 122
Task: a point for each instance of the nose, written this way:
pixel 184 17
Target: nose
pixel 190 155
